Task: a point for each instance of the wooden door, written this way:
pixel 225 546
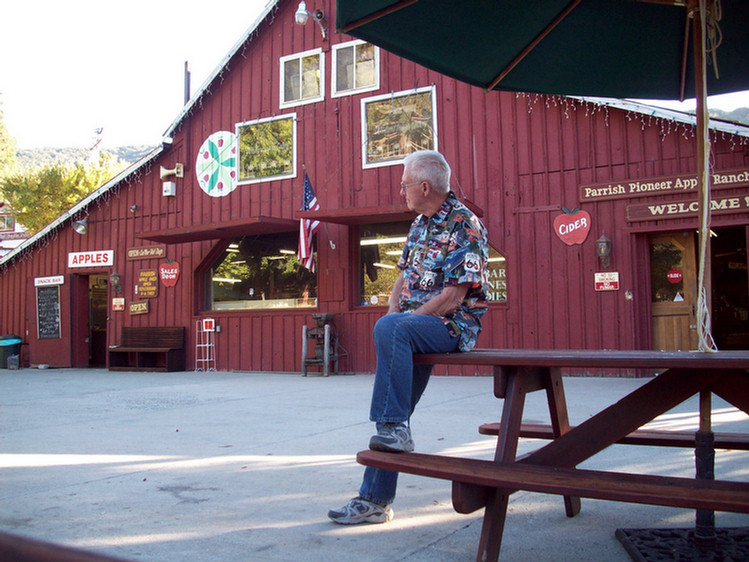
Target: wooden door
pixel 673 280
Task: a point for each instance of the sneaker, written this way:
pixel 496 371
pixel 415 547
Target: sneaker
pixel 359 510
pixel 393 438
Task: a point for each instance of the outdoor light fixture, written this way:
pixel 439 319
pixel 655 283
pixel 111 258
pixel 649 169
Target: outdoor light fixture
pixel 603 250
pixel 302 15
pixel 81 226
pixel 133 208
pixel 114 279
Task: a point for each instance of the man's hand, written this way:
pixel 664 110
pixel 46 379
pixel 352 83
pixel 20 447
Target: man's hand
pixel 446 302
pixel 395 295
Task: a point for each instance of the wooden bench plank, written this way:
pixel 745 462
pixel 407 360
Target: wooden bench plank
pixel 122 349
pixel 651 437
pixel 670 491
pixel 581 358
pixel 147 348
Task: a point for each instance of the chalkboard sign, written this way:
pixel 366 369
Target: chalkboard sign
pixel 48 312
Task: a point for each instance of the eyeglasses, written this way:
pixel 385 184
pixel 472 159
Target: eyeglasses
pixel 405 186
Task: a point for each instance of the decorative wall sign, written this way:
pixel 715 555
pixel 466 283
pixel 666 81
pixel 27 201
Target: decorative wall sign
pixel 216 164
pixel 148 284
pixel 138 307
pixel 146 252
pixel 656 187
pixel 118 303
pixel 101 258
pixel 572 227
pixel 169 273
pixel 681 209
pixel 45 281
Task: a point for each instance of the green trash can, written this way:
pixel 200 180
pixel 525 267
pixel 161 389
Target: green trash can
pixel 10 346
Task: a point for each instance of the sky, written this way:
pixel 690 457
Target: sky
pixel 70 67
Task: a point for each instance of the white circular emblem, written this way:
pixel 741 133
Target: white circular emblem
pixel 216 165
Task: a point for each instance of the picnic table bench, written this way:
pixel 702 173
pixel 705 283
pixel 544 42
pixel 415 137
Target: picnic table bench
pixel 146 348
pixel 551 469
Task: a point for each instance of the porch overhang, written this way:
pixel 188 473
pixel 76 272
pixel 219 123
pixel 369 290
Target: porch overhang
pixel 370 215
pixel 217 231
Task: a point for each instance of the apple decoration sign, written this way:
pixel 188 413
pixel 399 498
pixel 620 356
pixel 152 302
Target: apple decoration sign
pixel 169 273
pixel 572 227
pixel 216 163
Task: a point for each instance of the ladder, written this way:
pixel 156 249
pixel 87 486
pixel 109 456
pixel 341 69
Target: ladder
pixel 205 347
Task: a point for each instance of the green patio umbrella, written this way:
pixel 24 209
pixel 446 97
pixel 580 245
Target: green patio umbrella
pixel 652 49
pixel 609 48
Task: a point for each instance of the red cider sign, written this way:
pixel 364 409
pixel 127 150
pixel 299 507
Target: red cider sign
pixel 572 227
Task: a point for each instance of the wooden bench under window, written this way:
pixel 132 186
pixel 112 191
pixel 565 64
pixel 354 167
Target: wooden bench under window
pixel 144 348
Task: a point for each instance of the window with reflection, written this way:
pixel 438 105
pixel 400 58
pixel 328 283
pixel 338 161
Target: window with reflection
pixel 7 222
pixel 356 68
pixel 380 248
pixel 260 272
pixel 666 267
pixel 302 78
pixel 266 149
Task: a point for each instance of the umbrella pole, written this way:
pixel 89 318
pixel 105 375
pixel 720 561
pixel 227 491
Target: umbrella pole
pixel 704 447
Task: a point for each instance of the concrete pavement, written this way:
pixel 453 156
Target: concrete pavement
pixel 229 467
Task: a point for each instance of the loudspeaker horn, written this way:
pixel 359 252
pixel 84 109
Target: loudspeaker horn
pixel 178 171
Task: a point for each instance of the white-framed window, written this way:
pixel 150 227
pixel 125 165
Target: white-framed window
pixel 395 125
pixel 266 149
pixel 7 222
pixel 302 78
pixel 356 68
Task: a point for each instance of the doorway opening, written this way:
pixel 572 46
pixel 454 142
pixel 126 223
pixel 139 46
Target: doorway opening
pixel 97 315
pixel 673 285
pixel 730 288
pixel 673 291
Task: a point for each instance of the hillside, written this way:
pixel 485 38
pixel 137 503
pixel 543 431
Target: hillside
pixel 29 158
pixel 38 156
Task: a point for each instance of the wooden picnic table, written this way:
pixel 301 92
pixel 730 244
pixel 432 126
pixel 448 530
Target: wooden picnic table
pixel 551 469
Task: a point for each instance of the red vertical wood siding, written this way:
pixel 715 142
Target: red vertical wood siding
pixel 519 157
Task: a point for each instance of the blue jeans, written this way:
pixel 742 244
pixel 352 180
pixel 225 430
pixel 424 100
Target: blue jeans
pixel 399 383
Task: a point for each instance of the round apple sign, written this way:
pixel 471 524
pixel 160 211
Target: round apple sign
pixel 216 164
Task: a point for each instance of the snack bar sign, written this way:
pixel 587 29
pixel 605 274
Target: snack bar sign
pixel 100 258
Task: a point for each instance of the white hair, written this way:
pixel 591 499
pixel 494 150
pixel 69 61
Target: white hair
pixel 430 166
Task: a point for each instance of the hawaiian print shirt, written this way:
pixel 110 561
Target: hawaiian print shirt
pixel 448 248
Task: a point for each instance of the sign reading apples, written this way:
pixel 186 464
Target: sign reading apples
pixel 169 273
pixel 572 227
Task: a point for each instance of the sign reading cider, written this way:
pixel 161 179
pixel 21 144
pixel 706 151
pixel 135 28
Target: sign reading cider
pixel 99 258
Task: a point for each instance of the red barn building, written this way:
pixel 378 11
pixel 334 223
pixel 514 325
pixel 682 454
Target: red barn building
pixel 207 225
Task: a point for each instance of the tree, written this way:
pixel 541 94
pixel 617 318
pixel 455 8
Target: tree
pixel 7 149
pixel 39 195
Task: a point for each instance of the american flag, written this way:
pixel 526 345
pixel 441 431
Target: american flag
pixel 307 228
